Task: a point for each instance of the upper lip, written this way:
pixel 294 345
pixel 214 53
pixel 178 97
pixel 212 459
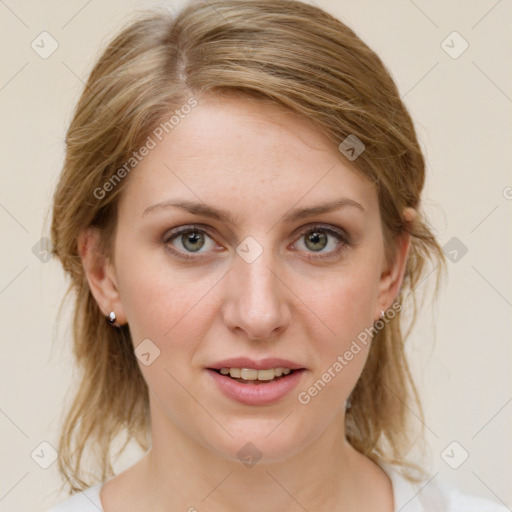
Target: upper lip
pixel 262 364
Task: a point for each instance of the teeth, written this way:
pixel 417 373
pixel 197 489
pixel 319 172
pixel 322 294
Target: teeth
pixel 235 372
pixel 248 374
pixel 251 374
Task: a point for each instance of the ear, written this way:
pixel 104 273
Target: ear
pixel 393 272
pixel 100 274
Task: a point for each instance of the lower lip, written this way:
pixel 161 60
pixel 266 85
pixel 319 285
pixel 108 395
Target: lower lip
pixel 263 393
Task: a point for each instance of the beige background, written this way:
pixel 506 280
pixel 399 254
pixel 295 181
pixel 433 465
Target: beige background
pixel 462 107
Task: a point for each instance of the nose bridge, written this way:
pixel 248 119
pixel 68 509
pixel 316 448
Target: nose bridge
pixel 257 277
pixel 256 302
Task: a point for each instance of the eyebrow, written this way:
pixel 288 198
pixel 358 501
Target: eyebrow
pixel 221 215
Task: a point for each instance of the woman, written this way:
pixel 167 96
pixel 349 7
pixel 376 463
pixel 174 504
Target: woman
pixel 240 214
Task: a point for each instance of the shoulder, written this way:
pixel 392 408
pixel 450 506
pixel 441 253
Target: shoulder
pixel 85 501
pixel 434 495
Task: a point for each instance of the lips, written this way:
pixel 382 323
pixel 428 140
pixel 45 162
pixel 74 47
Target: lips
pixel 249 382
pixel 262 364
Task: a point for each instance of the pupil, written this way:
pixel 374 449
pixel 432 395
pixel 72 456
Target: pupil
pixel 192 237
pixel 315 238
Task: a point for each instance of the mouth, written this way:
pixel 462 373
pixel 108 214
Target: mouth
pixel 266 385
pixel 255 377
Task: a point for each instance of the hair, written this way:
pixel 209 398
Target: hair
pixel 295 56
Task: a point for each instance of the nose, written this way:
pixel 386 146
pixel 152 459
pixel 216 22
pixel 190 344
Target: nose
pixel 256 298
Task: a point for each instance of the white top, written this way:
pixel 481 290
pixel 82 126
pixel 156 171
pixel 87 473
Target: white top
pixel 429 496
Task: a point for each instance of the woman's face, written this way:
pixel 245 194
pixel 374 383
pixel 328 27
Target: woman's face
pixel 249 268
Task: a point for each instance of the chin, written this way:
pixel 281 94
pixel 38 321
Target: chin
pixel 258 444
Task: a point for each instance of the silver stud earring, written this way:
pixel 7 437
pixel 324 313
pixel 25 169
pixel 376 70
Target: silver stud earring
pixel 111 318
pixel 382 314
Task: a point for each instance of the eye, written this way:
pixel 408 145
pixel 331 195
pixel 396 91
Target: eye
pixel 187 240
pixel 325 241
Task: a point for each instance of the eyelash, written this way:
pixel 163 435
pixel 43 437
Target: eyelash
pixel 330 230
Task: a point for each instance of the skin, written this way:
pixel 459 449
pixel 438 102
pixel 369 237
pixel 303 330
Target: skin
pixel 258 162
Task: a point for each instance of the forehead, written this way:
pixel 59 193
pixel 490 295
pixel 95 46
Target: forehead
pixel 240 152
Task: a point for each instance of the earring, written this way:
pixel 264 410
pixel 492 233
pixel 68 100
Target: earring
pixel 382 314
pixel 111 318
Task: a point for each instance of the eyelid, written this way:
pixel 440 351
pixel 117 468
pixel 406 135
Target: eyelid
pixel 171 233
pixel 327 227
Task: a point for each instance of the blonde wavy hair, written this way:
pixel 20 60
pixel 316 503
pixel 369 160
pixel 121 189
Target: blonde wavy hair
pixel 285 52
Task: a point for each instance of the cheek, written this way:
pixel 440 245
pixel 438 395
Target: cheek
pixel 347 303
pixel 173 314
pixel 159 301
